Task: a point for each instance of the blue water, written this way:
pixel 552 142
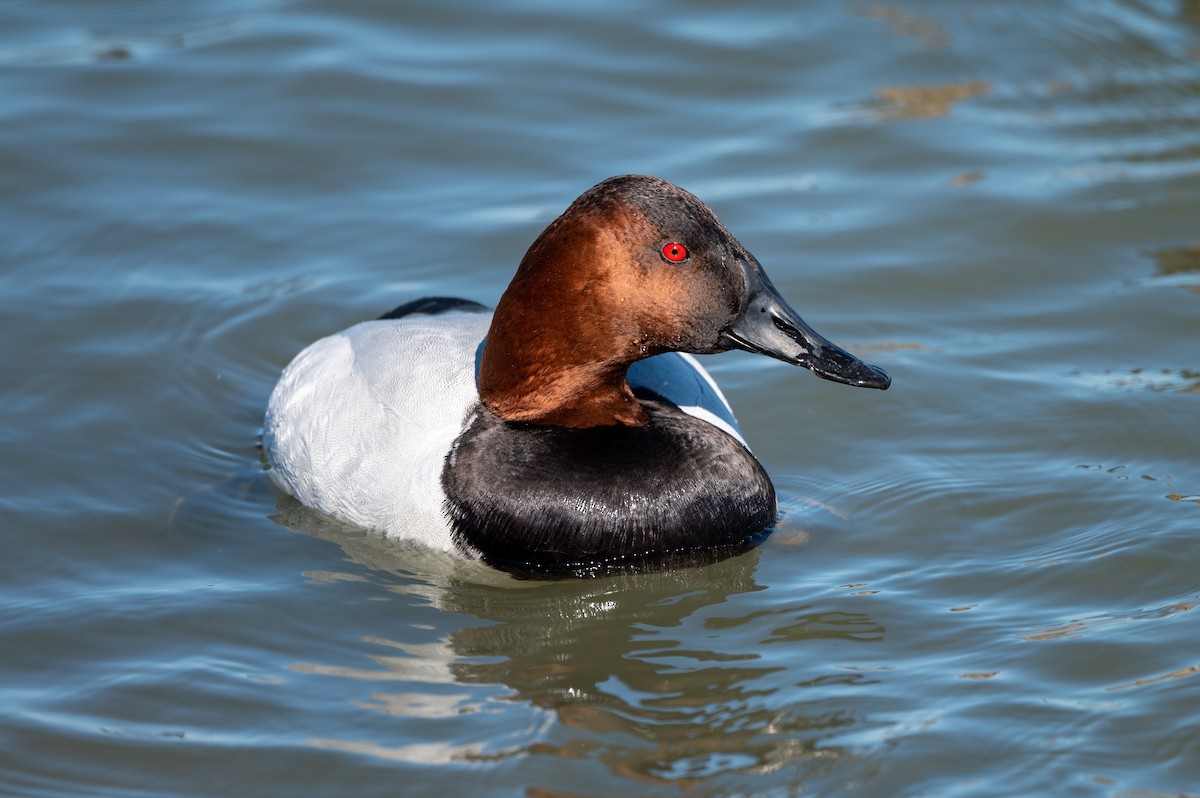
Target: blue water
pixel 984 579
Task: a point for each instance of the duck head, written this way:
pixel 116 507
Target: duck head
pixel 633 268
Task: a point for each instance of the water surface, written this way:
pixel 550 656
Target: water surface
pixel 984 579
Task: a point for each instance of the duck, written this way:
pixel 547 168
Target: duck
pixel 569 430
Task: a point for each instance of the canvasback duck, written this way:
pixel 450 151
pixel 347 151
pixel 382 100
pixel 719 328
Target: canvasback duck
pixel 567 432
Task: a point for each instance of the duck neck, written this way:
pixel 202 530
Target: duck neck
pixel 552 356
pixel 578 397
pixel 543 377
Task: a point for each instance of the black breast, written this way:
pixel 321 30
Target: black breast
pixel 551 500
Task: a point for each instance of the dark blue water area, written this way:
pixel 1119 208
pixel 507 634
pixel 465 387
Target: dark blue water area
pixel 982 582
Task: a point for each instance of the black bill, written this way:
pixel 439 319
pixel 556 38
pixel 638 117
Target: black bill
pixel 769 326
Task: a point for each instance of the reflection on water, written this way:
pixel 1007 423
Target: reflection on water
pixel 1101 621
pixel 116 37
pixel 1177 260
pixel 1190 670
pixel 902 22
pixel 681 687
pixel 1144 379
pixel 925 102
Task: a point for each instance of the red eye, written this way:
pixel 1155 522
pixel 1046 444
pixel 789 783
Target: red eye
pixel 674 253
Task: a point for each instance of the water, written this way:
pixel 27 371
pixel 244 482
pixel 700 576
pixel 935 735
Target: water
pixel 986 577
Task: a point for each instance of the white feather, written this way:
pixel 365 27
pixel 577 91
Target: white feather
pixel 360 422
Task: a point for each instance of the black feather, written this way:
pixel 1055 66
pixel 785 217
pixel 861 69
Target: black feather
pixel 552 500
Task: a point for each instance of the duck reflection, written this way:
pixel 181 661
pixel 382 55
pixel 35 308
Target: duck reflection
pixel 664 676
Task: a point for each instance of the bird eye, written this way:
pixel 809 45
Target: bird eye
pixel 674 253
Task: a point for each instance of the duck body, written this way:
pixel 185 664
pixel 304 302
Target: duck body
pixel 381 425
pixel 567 431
